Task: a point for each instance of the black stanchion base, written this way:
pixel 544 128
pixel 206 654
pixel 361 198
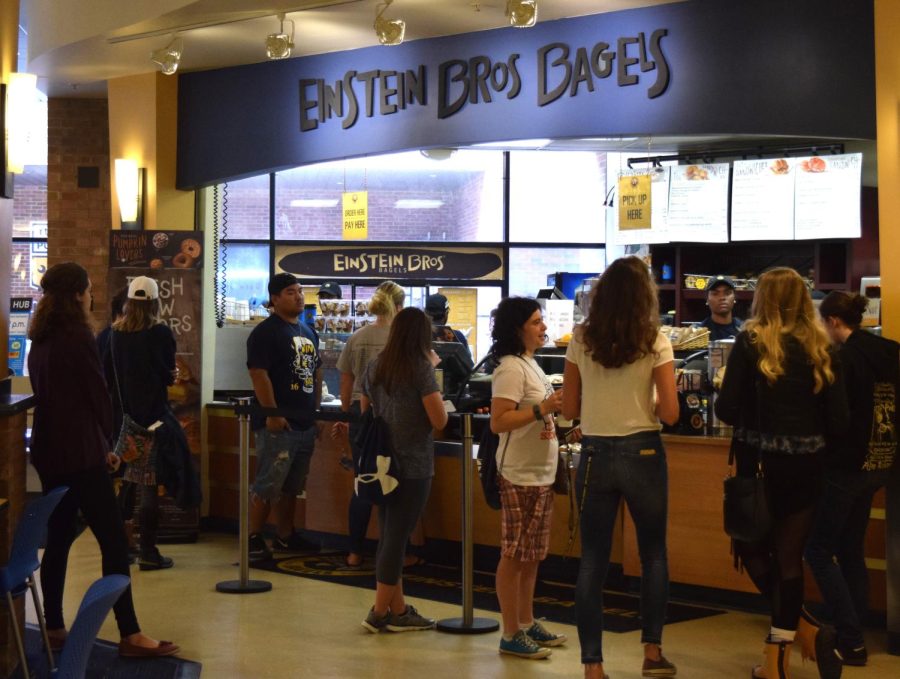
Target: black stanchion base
pixel 477 626
pixel 249 587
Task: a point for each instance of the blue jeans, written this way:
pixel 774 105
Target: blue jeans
pixel 282 462
pixel 835 551
pixel 615 467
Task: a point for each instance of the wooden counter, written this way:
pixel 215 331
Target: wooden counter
pixel 699 550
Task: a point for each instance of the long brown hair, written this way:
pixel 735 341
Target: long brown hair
pixel 59 310
pixel 782 306
pixel 409 339
pixel 140 314
pixel 623 320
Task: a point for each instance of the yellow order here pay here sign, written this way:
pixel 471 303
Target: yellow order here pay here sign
pixel 356 215
pixel 634 202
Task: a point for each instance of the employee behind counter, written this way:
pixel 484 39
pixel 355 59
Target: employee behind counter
pixel 720 299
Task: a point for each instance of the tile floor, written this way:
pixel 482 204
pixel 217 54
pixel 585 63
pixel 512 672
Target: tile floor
pixel 306 628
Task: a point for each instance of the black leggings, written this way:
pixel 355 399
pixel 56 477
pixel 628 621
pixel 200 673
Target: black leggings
pixel 775 565
pixel 90 491
pixel 149 512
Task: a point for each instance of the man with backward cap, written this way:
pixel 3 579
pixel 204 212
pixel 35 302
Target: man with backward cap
pixel 285 368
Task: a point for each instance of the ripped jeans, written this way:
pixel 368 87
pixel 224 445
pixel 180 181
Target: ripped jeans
pixel 282 462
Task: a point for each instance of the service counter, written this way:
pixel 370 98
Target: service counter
pixel 699 551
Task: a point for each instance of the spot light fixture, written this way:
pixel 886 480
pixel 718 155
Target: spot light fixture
pixel 389 31
pixel 279 45
pixel 169 57
pixel 522 13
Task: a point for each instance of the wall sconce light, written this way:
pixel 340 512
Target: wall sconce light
pixel 389 31
pixel 21 95
pixel 279 45
pixel 130 181
pixel 169 57
pixel 522 13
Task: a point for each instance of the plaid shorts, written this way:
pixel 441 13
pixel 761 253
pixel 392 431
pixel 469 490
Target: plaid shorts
pixel 525 516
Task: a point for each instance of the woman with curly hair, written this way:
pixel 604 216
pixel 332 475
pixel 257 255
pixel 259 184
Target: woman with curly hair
pixel 70 447
pixel 620 380
pixel 783 393
pixel 522 407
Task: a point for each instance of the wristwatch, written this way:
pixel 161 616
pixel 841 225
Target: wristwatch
pixel 538 415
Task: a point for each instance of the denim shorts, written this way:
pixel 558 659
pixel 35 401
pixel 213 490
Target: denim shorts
pixel 282 462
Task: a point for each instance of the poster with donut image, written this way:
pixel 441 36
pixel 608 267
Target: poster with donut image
pixel 156 250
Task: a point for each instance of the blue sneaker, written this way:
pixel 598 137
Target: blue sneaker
pixel 521 645
pixel 539 635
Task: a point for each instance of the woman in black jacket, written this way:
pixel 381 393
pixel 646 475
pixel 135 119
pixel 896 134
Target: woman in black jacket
pixel 69 447
pixel 783 394
pixel 858 464
pixel 142 352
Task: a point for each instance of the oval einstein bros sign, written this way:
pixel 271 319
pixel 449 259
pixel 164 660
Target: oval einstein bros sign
pixel 485 264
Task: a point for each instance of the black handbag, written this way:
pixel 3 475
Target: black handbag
pixel 745 506
pixel 488 471
pixel 377 469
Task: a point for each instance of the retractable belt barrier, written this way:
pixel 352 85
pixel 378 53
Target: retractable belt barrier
pixel 467 624
pixel 243 408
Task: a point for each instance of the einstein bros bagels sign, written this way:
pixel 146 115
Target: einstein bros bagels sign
pixel 397 262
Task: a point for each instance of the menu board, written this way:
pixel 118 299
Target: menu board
pixel 698 203
pixel 659 208
pixel 762 199
pixel 827 196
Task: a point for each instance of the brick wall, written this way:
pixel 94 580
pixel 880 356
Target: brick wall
pixel 78 219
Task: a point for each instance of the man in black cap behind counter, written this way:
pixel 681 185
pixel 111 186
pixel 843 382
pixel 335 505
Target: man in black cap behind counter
pixel 720 299
pixel 438 309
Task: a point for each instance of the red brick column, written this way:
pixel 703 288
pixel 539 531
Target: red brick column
pixel 78 217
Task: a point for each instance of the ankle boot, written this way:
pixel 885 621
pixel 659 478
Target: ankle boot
pixel 817 643
pixel 777 664
pixel 807 631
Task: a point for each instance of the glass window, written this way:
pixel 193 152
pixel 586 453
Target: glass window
pixel 557 197
pixel 529 267
pixel 247 201
pixel 245 269
pixel 410 197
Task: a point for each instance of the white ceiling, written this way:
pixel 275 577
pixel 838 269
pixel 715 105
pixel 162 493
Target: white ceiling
pixel 77 45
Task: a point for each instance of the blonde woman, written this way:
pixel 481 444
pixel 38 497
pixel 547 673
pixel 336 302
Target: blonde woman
pixel 142 353
pixel 363 346
pixel 783 394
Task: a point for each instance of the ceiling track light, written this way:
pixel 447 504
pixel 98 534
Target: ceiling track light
pixel 279 45
pixel 389 31
pixel 522 13
pixel 169 57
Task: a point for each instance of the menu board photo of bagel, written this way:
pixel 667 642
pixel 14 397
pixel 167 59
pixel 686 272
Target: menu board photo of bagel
pixel 156 250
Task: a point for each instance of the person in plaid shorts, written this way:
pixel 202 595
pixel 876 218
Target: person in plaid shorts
pixel 522 407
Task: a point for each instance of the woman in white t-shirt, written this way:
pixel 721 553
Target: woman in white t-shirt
pixel 522 410
pixel 620 380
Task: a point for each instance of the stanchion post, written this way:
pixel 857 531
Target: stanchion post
pixel 467 624
pixel 244 585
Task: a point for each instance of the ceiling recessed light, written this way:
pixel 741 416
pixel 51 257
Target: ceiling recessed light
pixel 418 204
pixel 314 202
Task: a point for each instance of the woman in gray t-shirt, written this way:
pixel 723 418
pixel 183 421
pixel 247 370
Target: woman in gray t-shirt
pixel 362 348
pixel 401 388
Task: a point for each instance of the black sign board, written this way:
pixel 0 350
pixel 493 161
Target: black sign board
pixel 420 263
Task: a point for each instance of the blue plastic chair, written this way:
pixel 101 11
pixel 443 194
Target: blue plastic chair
pixel 95 606
pixel 18 574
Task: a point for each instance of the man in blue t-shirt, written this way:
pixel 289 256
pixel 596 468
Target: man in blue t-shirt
pixel 720 299
pixel 285 368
